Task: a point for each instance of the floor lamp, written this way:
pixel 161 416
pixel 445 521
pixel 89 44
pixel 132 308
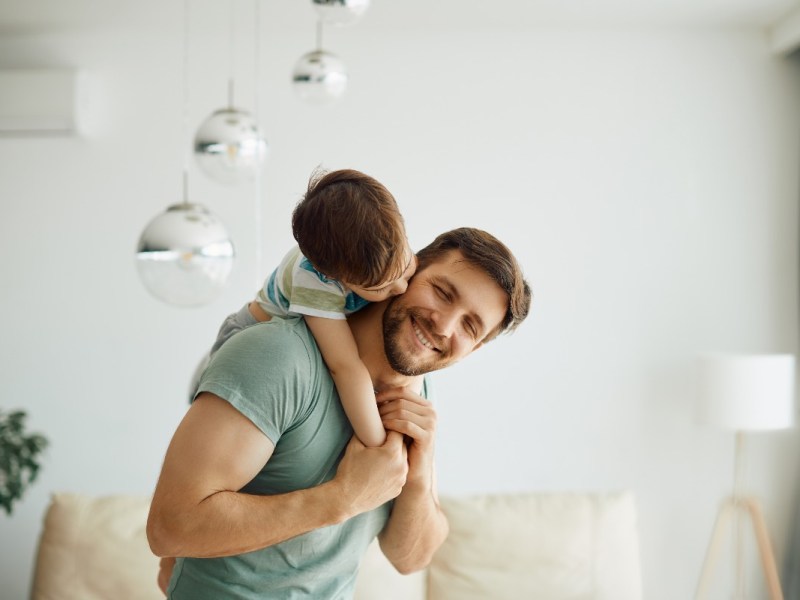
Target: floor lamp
pixel 744 393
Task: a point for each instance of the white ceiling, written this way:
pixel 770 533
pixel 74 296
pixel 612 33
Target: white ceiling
pixel 24 16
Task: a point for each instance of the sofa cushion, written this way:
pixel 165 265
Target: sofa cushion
pixel 558 546
pixel 95 548
pixel 379 580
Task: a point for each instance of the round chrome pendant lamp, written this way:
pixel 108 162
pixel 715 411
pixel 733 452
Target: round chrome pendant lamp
pixel 319 77
pixel 228 145
pixel 184 255
pixel 340 12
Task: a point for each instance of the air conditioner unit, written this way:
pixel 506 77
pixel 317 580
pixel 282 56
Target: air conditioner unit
pixel 38 101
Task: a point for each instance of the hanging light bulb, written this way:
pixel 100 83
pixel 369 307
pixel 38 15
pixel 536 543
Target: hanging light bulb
pixel 184 255
pixel 340 12
pixel 228 146
pixel 319 76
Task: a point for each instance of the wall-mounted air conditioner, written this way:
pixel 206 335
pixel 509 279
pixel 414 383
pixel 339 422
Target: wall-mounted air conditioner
pixel 38 101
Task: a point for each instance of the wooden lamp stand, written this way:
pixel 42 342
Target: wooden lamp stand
pixel 741 508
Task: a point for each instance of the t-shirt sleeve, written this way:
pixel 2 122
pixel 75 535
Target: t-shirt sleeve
pixel 310 294
pixel 427 389
pixel 265 373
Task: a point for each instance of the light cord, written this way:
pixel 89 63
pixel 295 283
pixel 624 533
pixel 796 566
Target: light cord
pixel 231 51
pixel 257 214
pixel 186 101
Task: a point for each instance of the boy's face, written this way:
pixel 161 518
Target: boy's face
pixel 449 311
pixel 388 289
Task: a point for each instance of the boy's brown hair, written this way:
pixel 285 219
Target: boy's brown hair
pixel 349 227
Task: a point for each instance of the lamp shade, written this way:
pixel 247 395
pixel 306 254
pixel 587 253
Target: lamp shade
pixel 747 392
pixel 228 146
pixel 184 255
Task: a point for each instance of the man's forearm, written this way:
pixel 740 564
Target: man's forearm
pixel 198 516
pixel 415 530
pixel 227 523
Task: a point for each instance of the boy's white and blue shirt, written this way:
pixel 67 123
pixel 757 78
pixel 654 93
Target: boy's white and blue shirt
pixel 297 288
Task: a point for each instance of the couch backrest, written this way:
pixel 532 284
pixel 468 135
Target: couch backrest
pixel 95 548
pixel 548 546
pixel 558 546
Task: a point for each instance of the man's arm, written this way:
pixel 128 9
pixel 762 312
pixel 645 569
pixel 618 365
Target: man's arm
pixel 417 525
pixel 197 511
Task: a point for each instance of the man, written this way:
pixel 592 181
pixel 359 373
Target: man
pixel 262 484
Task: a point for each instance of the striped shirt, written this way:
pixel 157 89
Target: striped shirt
pixel 297 288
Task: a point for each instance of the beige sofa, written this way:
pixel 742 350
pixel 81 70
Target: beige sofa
pixel 543 546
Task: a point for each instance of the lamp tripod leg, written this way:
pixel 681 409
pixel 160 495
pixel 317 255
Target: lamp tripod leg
pixel 723 516
pixel 765 550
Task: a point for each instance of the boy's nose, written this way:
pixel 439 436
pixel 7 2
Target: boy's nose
pixel 399 287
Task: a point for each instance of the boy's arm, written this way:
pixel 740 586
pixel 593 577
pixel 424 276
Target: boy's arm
pixel 197 510
pixel 417 525
pixel 353 382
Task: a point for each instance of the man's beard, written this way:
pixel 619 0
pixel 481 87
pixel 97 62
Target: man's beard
pixel 403 361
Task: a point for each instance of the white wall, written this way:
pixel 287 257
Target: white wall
pixel 647 180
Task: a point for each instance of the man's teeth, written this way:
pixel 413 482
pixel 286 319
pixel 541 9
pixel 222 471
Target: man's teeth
pixel 422 339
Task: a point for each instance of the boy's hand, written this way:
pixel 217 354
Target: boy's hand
pixel 372 476
pixel 404 411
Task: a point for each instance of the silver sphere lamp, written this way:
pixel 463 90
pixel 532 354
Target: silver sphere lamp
pixel 229 147
pixel 184 255
pixel 319 77
pixel 340 12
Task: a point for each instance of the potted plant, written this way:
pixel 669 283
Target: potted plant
pixel 19 457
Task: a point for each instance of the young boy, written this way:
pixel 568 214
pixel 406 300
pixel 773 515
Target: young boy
pixel 352 250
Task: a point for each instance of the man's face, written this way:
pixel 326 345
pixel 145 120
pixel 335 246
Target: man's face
pixel 449 309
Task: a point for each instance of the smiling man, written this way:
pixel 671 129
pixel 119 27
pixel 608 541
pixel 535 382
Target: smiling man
pixel 265 491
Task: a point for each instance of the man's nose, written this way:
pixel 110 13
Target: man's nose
pixel 445 322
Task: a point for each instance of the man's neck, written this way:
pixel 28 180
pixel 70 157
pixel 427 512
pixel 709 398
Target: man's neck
pixel 367 328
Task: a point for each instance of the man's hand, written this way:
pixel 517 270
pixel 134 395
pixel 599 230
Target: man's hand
pixel 417 526
pixel 197 511
pixel 406 412
pixel 372 476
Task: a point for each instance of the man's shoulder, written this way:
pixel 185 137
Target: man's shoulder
pixel 264 354
pixel 282 333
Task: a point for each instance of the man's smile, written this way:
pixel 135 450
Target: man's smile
pixel 421 336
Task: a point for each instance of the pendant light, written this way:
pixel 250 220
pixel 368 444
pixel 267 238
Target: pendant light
pixel 340 12
pixel 228 145
pixel 319 77
pixel 184 255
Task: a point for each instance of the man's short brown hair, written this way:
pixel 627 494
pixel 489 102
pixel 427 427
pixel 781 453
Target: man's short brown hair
pixel 483 250
pixel 349 227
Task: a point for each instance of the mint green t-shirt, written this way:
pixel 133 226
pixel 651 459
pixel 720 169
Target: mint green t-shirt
pixel 274 374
